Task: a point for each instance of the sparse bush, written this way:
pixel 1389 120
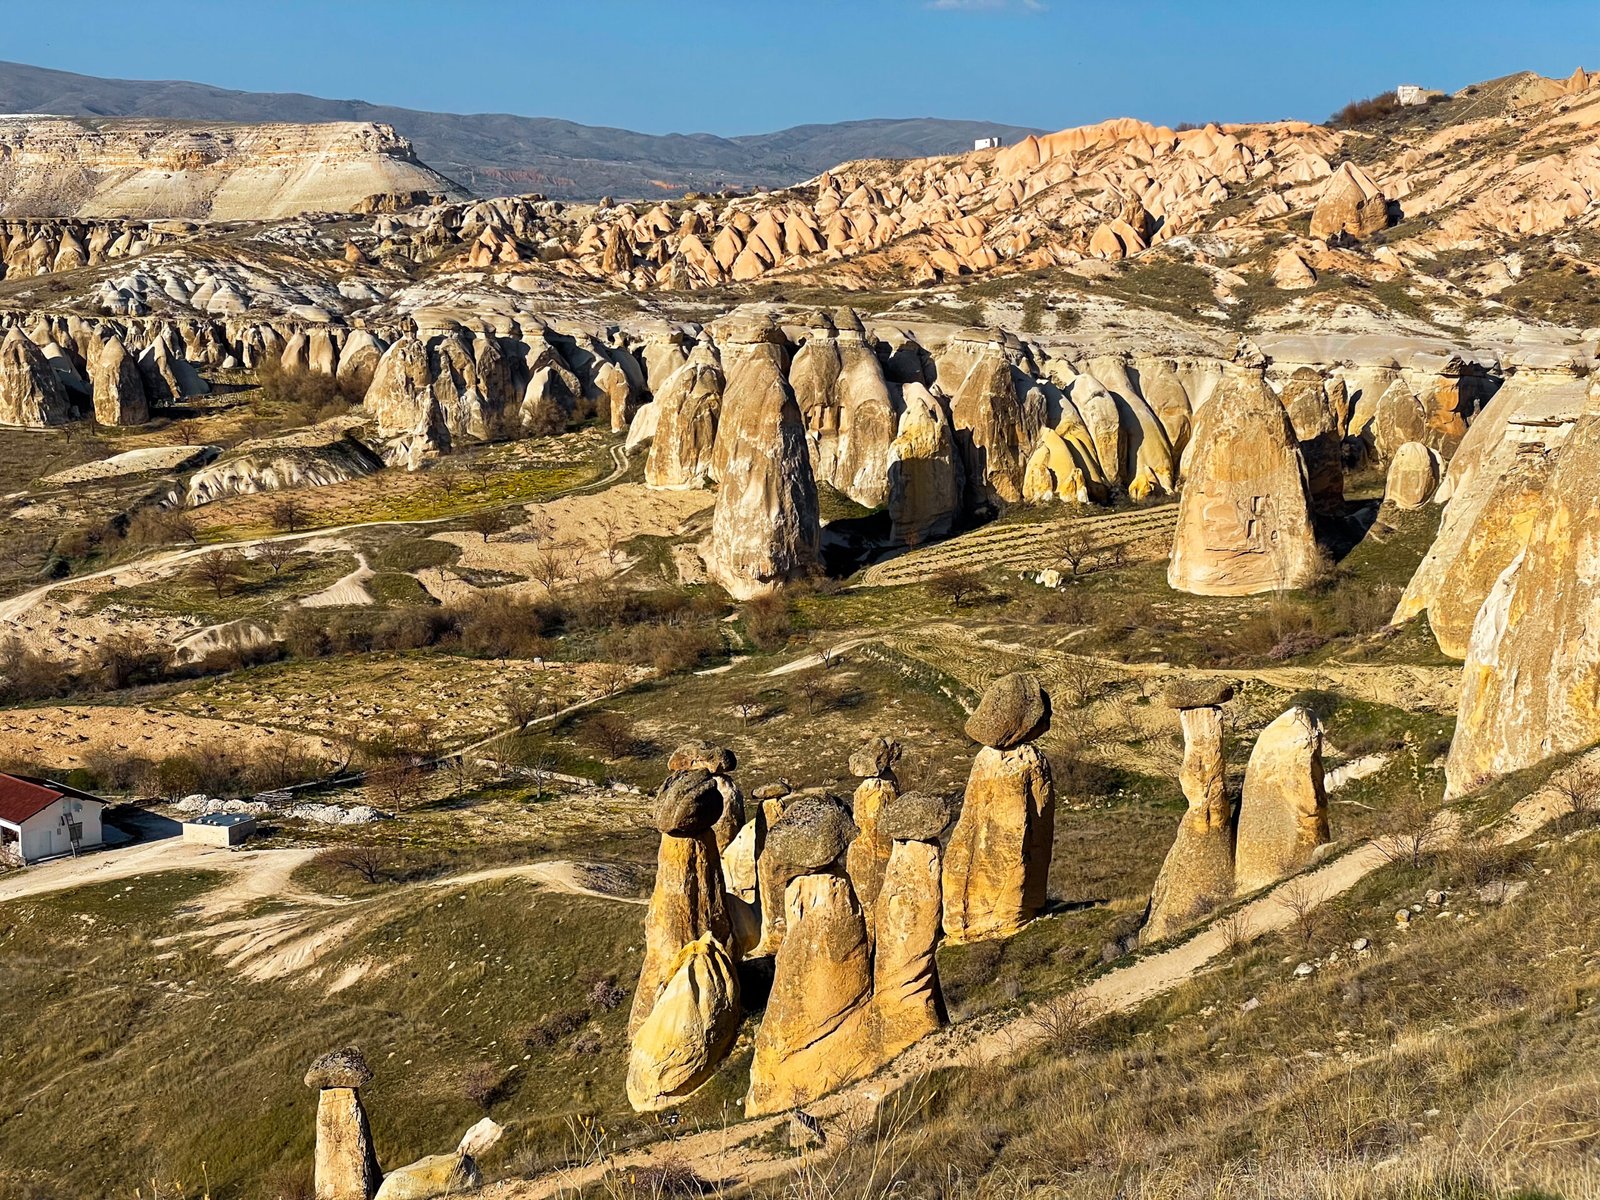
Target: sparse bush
pixel 1364 112
pixel 958 585
pixel 302 397
pixel 553 1029
pixel 482 1083
pixel 613 734
pixel 605 994
pixel 767 621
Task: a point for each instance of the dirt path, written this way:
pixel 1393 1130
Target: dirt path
pixel 738 1155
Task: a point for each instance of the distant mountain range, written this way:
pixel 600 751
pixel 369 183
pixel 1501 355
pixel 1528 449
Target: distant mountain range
pixel 497 153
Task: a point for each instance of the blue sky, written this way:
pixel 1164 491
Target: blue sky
pixel 746 66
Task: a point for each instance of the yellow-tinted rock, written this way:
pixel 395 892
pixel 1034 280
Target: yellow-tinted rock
pixel 1198 870
pixel 1413 476
pixel 1531 684
pixel 689 1030
pixel 906 1001
pixel 998 863
pixel 688 902
pixel 821 980
pixel 1283 814
pixel 346 1167
pixel 1244 522
pixel 868 856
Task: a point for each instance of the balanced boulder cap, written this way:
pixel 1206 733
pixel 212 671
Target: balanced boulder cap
pixel 1197 693
pixel 811 835
pixel 878 757
pixel 1015 709
pixel 718 760
pixel 916 817
pixel 771 791
pixel 688 803
pixel 345 1068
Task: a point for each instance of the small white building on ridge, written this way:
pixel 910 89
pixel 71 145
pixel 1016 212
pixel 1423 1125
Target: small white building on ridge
pixel 40 819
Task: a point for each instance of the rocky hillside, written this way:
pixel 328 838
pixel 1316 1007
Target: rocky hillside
pixel 498 153
pixel 156 169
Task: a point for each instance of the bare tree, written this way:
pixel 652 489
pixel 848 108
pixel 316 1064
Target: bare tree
pixel 552 567
pixel 745 704
pixel 613 677
pixel 1579 787
pixel 219 570
pixel 612 733
pixel 371 863
pixel 1074 545
pixel 1296 900
pixel 610 525
pixel 288 513
pixel 958 585
pixel 446 478
pixel 524 703
pixel 276 555
pixel 486 522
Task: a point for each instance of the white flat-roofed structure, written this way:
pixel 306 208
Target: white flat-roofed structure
pixel 988 143
pixel 220 829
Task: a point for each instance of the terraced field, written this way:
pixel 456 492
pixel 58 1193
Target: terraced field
pixel 1141 532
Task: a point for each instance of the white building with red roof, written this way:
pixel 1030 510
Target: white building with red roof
pixel 40 819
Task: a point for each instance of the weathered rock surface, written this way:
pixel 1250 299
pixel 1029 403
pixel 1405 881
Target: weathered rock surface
pixel 1531 684
pixel 926 478
pixel 689 1030
pixel 227 172
pixel 119 397
pixel 1014 709
pixel 1283 812
pixel 822 978
pixel 1198 871
pixel 1320 435
pixel 1244 521
pixel 443 1174
pixel 843 398
pixel 997 866
pixel 1413 476
pixel 346 1166
pixel 1351 204
pixel 688 902
pixel 31 395
pixel 688 405
pixel 765 530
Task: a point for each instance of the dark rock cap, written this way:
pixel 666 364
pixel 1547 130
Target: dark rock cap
pixel 345 1068
pixel 1015 709
pixel 875 759
pixel 719 760
pixel 916 817
pixel 688 803
pixel 811 835
pixel 1200 692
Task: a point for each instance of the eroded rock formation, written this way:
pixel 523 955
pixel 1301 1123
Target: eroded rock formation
pixel 1244 523
pixel 1198 871
pixel 997 865
pixel 1283 813
pixel 346 1164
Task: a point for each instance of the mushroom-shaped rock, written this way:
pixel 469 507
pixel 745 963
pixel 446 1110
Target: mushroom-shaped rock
pixel 443 1174
pixel 1413 476
pixel 1015 709
pixel 346 1165
pixel 1244 519
pixel 689 899
pixel 1283 813
pixel 689 1029
pixel 868 854
pixel 810 836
